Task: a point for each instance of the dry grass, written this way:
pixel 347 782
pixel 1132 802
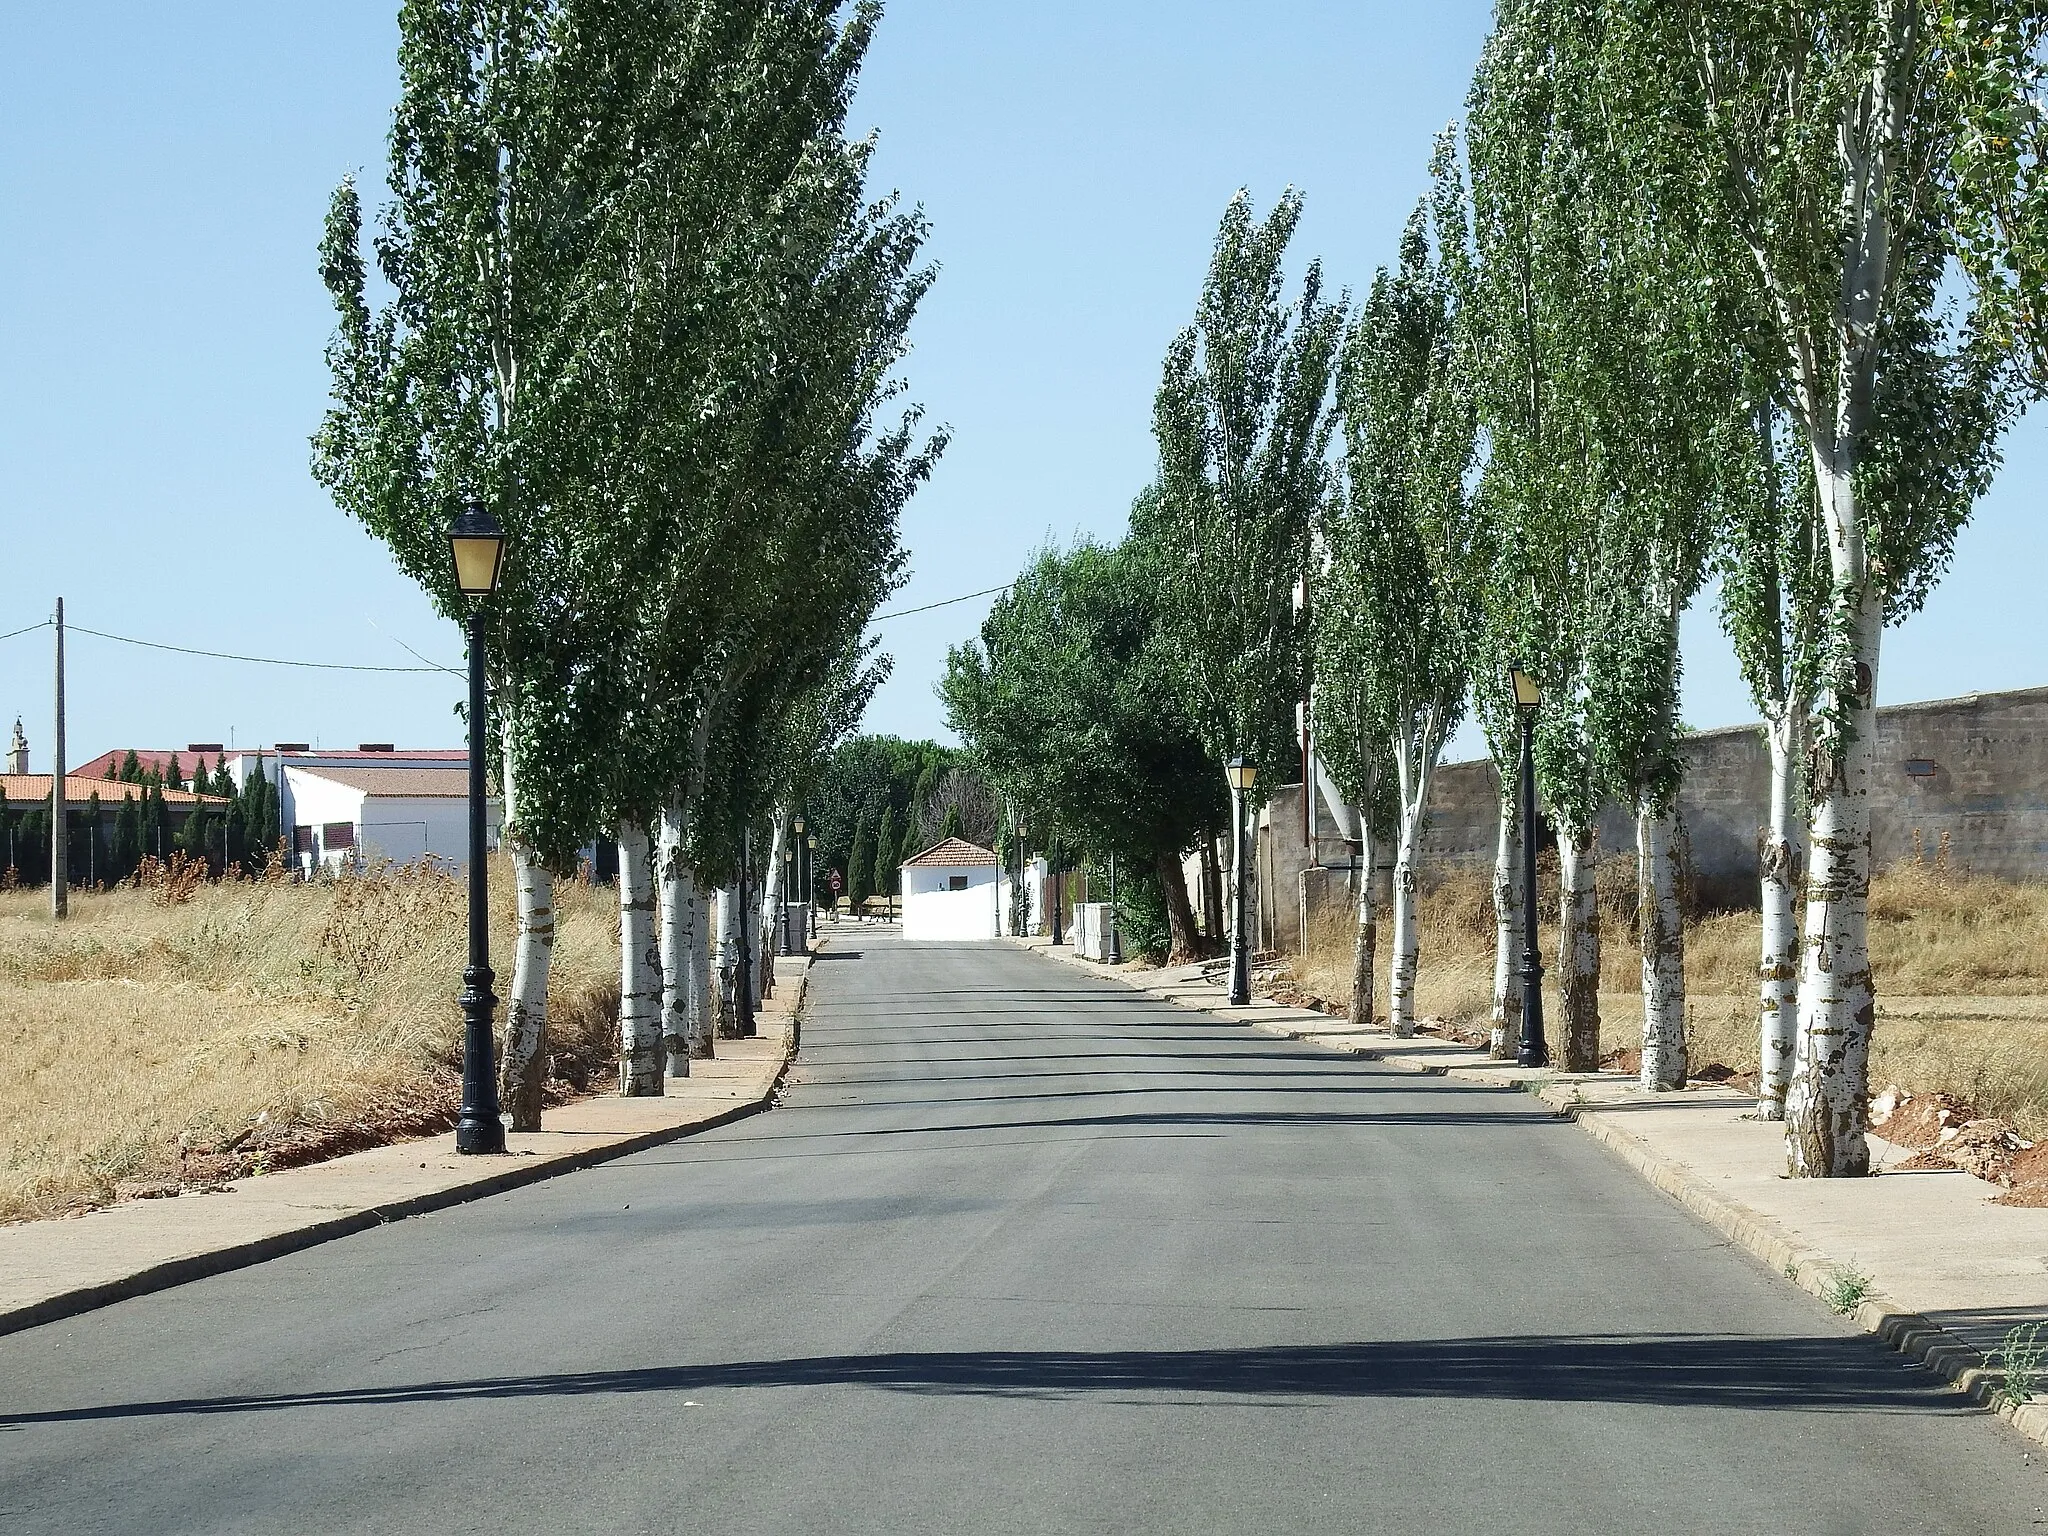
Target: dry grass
pixel 1961 963
pixel 144 1028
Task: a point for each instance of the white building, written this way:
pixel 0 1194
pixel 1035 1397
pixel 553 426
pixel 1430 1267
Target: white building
pixel 949 893
pixel 376 803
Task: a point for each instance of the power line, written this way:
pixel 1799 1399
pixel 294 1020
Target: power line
pixel 26 629
pixel 943 603
pixel 265 661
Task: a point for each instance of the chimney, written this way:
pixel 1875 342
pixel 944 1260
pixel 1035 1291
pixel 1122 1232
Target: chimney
pixel 17 751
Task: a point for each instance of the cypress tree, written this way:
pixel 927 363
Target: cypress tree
pixel 127 839
pixel 191 838
pixel 887 842
pixel 860 865
pixel 174 777
pixel 154 842
pixel 113 773
pixel 954 827
pixel 131 768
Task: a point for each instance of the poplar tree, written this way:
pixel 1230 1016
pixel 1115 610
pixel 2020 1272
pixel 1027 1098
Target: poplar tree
pixel 1397 543
pixel 1834 140
pixel 1243 421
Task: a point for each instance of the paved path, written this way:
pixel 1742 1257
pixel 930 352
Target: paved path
pixel 1019 1253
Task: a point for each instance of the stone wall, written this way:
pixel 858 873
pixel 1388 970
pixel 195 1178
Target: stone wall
pixel 1972 770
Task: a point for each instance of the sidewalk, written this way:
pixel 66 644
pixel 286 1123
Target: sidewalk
pixel 1945 1272
pixel 53 1269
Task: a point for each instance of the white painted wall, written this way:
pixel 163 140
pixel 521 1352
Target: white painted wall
pixel 1034 895
pixel 933 912
pixel 396 827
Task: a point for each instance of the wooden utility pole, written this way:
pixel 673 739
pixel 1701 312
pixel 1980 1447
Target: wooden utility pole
pixel 60 847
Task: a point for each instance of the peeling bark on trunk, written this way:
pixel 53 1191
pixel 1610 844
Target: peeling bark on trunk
pixel 677 912
pixel 1365 941
pixel 1407 943
pixel 1180 914
pixel 1578 960
pixel 770 929
pixel 702 995
pixel 523 1065
pixel 728 1015
pixel 1827 1109
pixel 1212 894
pixel 640 1055
pixel 1506 1036
pixel 1662 930
pixel 1415 750
pixel 1780 857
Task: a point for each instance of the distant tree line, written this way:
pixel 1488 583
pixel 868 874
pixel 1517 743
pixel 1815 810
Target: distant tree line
pixel 104 850
pixel 879 800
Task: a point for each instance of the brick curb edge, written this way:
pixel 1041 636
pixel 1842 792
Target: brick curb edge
pixel 221 1261
pixel 1948 1355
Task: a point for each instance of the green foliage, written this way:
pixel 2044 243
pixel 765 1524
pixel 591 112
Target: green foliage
pixel 1242 420
pixel 860 864
pixel 953 826
pixel 858 778
pixel 888 842
pixel 1394 618
pixel 1071 702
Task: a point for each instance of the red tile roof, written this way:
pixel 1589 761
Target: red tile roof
pixel 951 853
pixel 34 789
pixel 449 783
pixel 160 761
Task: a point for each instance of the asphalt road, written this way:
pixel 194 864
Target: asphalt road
pixel 1018 1253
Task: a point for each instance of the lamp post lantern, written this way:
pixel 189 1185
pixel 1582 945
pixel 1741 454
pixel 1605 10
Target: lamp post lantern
pixel 789 880
pixel 1534 1050
pixel 477 546
pixel 1242 775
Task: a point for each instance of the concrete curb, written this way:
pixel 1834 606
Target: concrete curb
pixel 242 1255
pixel 1912 1335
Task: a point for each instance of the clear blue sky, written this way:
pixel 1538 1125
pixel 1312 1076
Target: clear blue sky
pixel 163 171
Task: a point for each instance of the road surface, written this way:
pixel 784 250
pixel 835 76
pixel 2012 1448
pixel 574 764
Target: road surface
pixel 1019 1252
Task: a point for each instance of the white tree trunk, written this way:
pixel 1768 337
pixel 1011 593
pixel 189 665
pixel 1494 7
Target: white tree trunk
pixel 1507 934
pixel 1366 939
pixel 702 994
pixel 1827 1110
pixel 1578 960
pixel 1415 749
pixel 769 933
pixel 678 909
pixel 1407 947
pixel 726 1022
pixel 523 1067
pixel 640 1056
pixel 1660 919
pixel 1780 857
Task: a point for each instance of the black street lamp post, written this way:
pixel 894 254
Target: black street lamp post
pixel 811 881
pixel 1055 884
pixel 1242 776
pixel 1116 943
pixel 1020 909
pixel 1534 1050
pixel 478 545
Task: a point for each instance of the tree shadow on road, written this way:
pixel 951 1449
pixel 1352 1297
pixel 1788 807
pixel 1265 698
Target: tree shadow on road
pixel 1846 1374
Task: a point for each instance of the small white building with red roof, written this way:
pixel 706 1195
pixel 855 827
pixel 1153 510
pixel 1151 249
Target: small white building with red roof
pixel 950 893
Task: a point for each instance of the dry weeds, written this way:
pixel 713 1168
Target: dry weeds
pixel 265 1019
pixel 1961 963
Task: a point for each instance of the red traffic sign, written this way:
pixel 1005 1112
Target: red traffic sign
pixel 834 881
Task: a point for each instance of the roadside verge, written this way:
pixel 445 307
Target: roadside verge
pixel 58 1268
pixel 1924 1259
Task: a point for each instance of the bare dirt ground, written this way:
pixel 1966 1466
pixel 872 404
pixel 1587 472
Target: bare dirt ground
pixel 1962 976
pixel 179 1036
